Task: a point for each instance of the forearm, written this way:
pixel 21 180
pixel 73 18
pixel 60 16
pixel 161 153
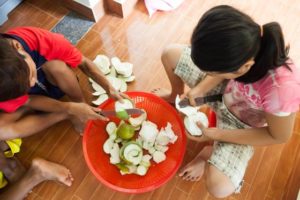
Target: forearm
pixel 46 104
pixel 30 125
pixel 207 84
pixel 90 69
pixel 251 136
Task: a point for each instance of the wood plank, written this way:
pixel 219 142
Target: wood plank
pixel 74 160
pixel 102 192
pixel 266 171
pixel 293 186
pixel 279 183
pixel 178 194
pixel 86 189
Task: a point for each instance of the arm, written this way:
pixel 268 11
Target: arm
pixel 90 69
pixel 204 86
pixel 279 130
pixel 81 110
pixel 29 125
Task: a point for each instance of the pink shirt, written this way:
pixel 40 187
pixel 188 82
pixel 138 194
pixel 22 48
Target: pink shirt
pixel 277 93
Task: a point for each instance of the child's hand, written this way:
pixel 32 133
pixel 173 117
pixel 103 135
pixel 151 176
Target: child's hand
pixel 84 112
pixel 118 96
pixel 191 95
pixel 206 134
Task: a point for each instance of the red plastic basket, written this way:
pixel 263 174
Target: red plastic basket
pixel 159 112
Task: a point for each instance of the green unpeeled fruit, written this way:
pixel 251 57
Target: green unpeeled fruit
pixel 125 131
pixel 122 115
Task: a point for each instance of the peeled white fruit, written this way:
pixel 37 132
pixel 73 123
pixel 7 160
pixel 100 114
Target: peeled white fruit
pixel 111 127
pixel 100 100
pixel 122 68
pixel 162 148
pixel 98 87
pixel 102 62
pixel 98 93
pixel 133 153
pixel 108 145
pixel 115 61
pixel 115 82
pixel 170 133
pixel 123 87
pixel 113 135
pixel 159 156
pixel 190 123
pixel 127 104
pixel 141 170
pixel 127 79
pixel 137 121
pixel 132 168
pixel 148 132
pixel 114 153
pixel 113 72
pixel 188 110
pixel 152 150
pixel 146 160
pixel 162 138
pixel 147 145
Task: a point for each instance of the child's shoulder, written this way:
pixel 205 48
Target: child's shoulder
pixel 288 74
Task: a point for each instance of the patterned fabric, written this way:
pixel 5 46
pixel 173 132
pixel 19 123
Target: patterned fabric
pixel 277 93
pixel 230 159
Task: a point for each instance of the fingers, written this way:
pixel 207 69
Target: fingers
pixel 125 96
pixel 96 114
pixel 200 125
pixel 192 101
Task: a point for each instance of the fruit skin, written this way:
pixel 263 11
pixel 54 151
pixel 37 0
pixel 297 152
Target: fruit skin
pixel 123 148
pixel 125 131
pixel 123 115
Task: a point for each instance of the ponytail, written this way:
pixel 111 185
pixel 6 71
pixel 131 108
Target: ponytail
pixel 272 54
pixel 226 38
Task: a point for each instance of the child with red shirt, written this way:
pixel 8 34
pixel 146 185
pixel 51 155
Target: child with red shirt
pixel 36 71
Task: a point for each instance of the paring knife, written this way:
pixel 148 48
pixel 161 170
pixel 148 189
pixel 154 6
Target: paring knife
pixel 201 100
pixel 131 111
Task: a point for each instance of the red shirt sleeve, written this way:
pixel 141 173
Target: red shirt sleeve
pixel 52 46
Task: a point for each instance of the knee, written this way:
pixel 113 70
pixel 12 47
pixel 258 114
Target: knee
pixel 218 184
pixel 171 54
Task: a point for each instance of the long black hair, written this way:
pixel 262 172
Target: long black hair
pixel 225 39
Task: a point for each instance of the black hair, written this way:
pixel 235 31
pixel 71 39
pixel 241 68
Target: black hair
pixel 225 39
pixel 14 72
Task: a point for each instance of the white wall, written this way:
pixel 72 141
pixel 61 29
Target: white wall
pixel 88 3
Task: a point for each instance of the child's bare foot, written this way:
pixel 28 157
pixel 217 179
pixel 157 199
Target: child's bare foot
pixel 165 94
pixel 51 171
pixel 194 170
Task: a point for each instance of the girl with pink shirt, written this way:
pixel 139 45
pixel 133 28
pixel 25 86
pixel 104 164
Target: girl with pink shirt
pixel 248 64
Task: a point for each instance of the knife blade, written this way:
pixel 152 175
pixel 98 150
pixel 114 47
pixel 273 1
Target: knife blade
pixel 201 100
pixel 131 111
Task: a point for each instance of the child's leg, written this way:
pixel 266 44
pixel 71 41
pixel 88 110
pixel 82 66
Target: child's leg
pixel 194 170
pixel 11 168
pixel 30 124
pixel 217 183
pixel 63 77
pixel 170 57
pixel 40 170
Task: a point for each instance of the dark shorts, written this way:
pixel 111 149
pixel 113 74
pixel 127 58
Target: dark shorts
pixel 45 88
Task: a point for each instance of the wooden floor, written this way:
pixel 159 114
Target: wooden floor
pixel 273 173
